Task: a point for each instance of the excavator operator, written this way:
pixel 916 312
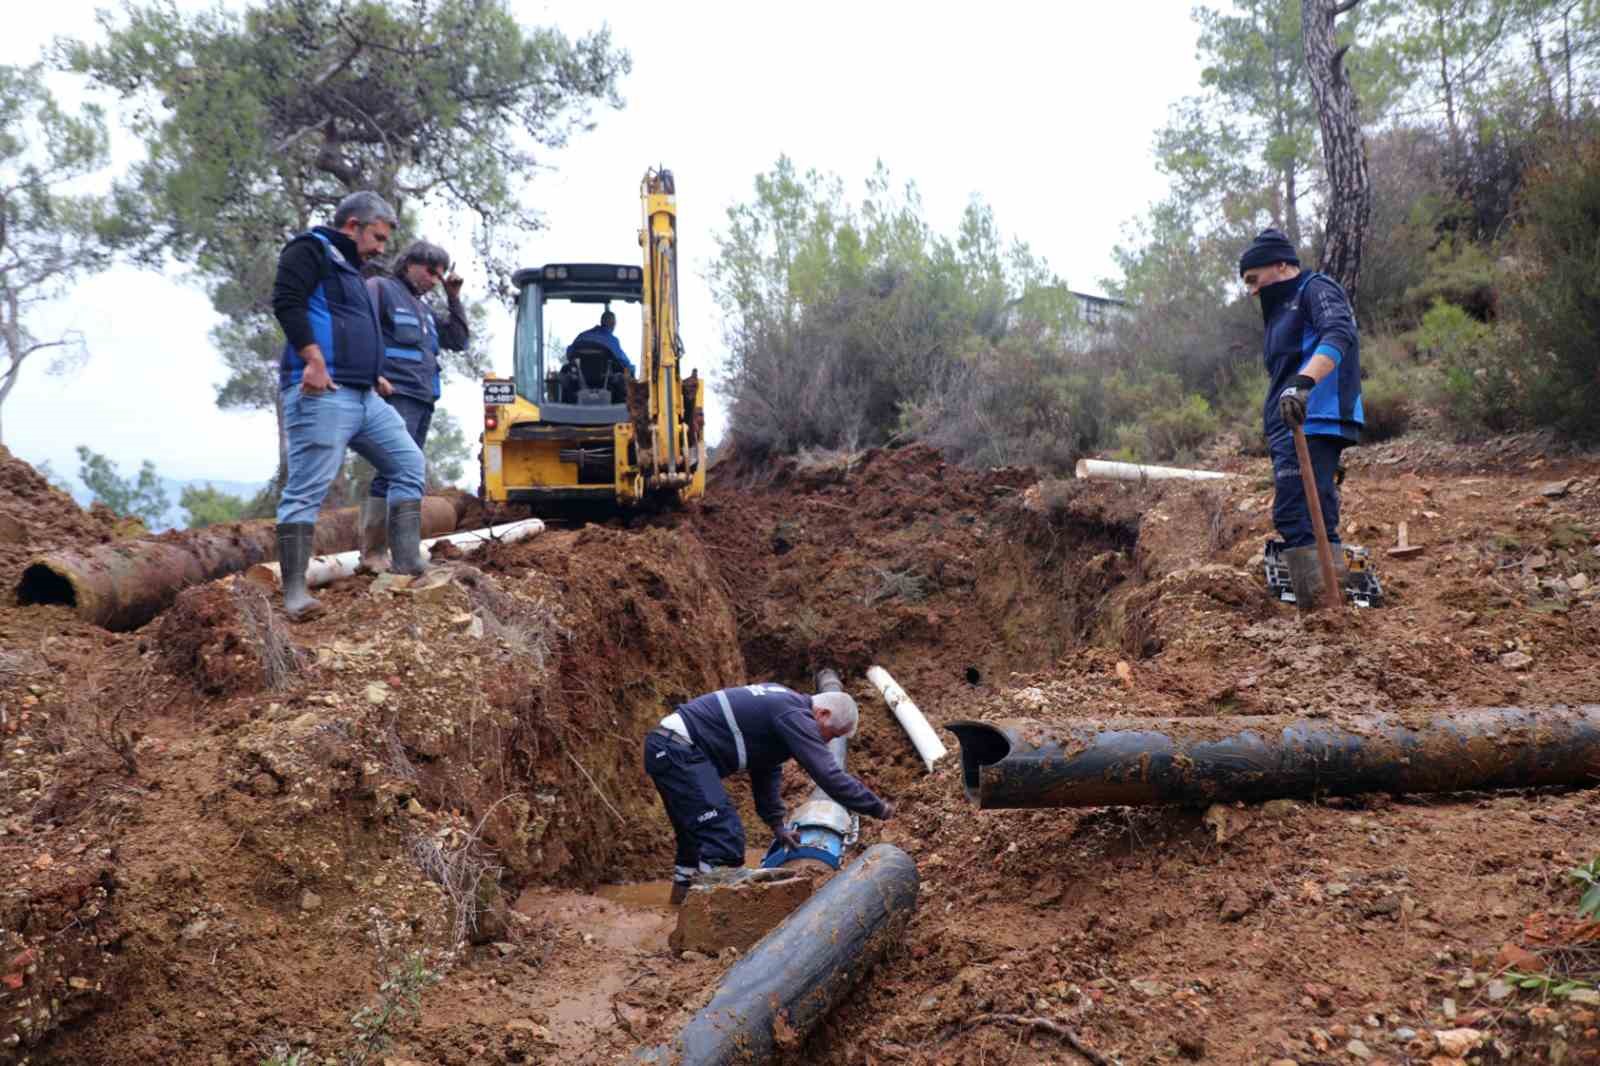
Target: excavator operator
pixel 605 335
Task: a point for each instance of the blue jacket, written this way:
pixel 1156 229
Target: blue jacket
pixel 318 295
pixel 774 724
pixel 1305 316
pixel 607 339
pixel 413 333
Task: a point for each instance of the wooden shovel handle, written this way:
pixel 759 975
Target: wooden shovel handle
pixel 1332 593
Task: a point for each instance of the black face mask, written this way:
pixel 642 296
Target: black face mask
pixel 1272 296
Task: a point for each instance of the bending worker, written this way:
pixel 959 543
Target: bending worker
pixel 755 728
pixel 1313 359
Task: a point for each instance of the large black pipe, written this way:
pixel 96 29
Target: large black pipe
pixel 802 969
pixel 1022 763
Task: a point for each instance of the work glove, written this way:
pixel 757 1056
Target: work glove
pixel 888 810
pixel 787 836
pixel 1292 400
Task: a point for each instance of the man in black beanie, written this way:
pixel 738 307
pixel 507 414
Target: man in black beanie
pixel 1313 359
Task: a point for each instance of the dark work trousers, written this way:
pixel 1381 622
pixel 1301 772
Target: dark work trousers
pixel 1290 514
pixel 418 416
pixel 708 829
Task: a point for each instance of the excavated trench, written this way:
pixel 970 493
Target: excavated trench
pixel 471 760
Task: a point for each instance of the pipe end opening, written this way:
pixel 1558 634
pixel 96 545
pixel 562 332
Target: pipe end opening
pixel 43 586
pixel 982 745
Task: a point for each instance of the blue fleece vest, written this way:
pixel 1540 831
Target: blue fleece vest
pixel 410 341
pixel 343 322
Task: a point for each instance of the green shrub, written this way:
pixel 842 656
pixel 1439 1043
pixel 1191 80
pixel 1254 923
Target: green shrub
pixel 1474 386
pixel 1239 401
pixel 1168 431
pixel 1553 297
pixel 1388 389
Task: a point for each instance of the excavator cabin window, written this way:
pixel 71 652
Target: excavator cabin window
pixel 557 302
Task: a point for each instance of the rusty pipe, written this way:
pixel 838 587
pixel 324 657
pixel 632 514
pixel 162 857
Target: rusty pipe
pixel 796 974
pixel 123 585
pixel 1022 763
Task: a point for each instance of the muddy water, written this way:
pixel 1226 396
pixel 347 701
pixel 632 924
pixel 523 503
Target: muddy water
pixel 625 924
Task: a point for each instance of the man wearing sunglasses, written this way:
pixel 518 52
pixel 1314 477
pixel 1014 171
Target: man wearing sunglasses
pixel 413 332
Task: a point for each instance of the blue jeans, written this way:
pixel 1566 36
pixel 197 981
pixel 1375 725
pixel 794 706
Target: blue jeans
pixel 321 425
pixel 418 416
pixel 707 827
pixel 1290 512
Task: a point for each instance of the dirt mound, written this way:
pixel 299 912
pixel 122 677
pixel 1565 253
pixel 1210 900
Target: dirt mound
pixel 223 638
pixel 36 517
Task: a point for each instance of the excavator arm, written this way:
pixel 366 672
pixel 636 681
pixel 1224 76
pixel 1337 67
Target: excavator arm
pixel 669 419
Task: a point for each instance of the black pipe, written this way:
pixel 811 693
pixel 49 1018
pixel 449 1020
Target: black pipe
pixel 1022 763
pixel 802 969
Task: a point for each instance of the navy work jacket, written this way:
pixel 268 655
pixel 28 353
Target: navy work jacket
pixel 1305 316
pixel 606 339
pixel 759 728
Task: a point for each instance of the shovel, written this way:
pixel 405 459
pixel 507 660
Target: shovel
pixel 1330 577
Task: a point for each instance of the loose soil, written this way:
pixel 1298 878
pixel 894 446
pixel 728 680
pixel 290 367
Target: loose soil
pixel 228 840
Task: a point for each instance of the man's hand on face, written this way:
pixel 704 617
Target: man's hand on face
pixel 1292 400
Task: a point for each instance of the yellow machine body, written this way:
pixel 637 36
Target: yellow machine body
pixel 553 436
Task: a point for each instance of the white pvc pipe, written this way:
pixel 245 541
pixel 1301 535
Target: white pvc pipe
pixel 326 569
pixel 923 738
pixel 1105 469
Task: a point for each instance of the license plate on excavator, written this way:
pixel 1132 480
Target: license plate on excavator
pixel 499 393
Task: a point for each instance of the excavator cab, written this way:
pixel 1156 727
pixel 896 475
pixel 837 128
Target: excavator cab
pixel 571 424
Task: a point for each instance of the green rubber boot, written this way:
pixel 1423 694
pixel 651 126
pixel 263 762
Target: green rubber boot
pixel 294 552
pixel 405 537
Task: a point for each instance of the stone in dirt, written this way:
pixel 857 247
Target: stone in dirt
pixel 1516 660
pixel 1458 1042
pixel 739 912
pixel 1555 489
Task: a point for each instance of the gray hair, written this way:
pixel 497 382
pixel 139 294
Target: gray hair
pixel 366 207
pixel 424 252
pixel 841 708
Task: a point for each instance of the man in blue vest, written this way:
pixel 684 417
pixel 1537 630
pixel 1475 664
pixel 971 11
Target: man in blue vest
pixel 413 333
pixel 1313 359
pixel 327 377
pixel 755 728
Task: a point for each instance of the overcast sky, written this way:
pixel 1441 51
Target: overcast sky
pixel 1046 111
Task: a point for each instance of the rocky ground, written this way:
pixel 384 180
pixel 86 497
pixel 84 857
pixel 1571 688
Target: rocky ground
pixel 416 830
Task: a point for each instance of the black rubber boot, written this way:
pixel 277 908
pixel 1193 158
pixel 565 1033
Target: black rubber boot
pixel 405 537
pixel 374 535
pixel 294 552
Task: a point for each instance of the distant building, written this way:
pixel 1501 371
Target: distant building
pixel 1099 312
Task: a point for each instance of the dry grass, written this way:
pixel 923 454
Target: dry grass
pixel 268 637
pixel 456 860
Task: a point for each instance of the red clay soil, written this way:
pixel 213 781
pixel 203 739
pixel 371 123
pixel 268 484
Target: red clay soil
pixel 223 819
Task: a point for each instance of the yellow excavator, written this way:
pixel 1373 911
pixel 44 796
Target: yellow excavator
pixel 580 426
